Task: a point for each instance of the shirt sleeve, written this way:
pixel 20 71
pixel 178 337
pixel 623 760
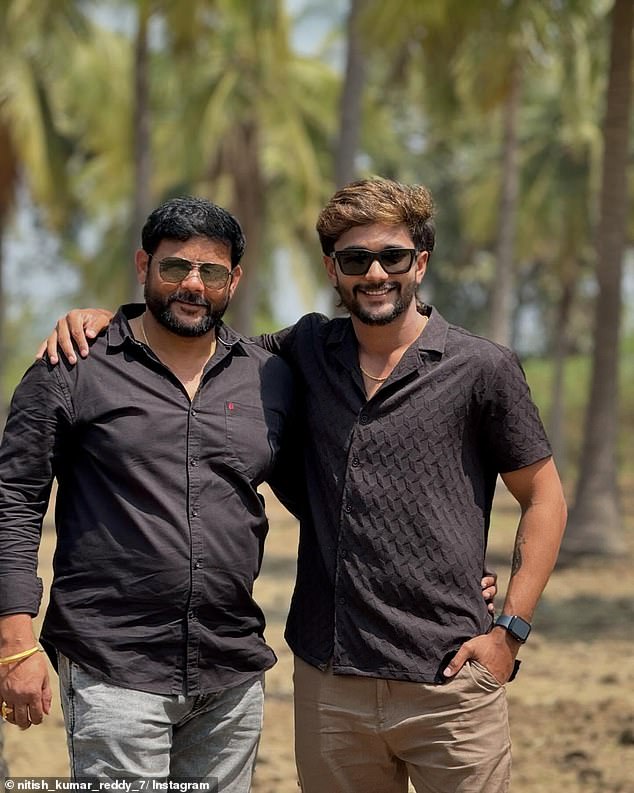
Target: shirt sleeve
pixel 31 441
pixel 512 430
pixel 287 479
pixel 278 343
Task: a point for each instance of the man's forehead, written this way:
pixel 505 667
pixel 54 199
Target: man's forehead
pixel 376 235
pixel 195 248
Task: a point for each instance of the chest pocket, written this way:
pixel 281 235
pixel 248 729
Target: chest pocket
pixel 253 436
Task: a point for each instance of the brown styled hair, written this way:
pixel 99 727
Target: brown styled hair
pixel 376 200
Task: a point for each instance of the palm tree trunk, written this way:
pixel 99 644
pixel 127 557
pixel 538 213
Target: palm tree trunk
pixel 502 293
pixel 141 144
pixel 596 521
pixel 350 112
pixel 249 208
pixel 8 182
pixel 560 354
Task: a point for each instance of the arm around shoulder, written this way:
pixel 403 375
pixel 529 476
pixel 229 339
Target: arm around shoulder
pixel 74 328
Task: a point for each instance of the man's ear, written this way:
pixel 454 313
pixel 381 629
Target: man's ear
pixel 420 265
pixel 141 262
pixel 236 275
pixel 331 269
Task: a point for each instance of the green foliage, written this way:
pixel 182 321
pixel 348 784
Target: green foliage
pixel 539 373
pixel 227 79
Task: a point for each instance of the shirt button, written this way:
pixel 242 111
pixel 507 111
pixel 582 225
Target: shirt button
pixel 192 615
pixel 342 601
pixel 194 513
pixel 343 552
pixel 198 564
pixel 193 412
pixel 363 419
pixel 355 462
pixel 193 461
pixel 347 509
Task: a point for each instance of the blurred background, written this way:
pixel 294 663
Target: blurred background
pixel 516 114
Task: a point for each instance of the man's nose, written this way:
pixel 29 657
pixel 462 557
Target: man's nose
pixel 376 272
pixel 193 280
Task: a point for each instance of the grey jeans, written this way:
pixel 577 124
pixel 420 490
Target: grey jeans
pixel 121 733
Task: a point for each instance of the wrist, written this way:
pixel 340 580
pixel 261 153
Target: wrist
pixel 515 626
pixel 16 634
pixel 15 658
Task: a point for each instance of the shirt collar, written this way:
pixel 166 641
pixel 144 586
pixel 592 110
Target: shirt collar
pixel 434 336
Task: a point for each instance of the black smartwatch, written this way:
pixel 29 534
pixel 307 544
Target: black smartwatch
pixel 516 626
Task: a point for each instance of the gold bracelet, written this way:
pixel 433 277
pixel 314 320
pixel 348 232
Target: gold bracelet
pixel 12 659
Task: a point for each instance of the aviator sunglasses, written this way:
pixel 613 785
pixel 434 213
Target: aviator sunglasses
pixel 357 261
pixel 173 270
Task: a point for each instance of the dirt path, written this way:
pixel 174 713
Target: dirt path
pixel 572 707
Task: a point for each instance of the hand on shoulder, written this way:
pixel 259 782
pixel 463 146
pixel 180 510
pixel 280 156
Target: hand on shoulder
pixel 72 332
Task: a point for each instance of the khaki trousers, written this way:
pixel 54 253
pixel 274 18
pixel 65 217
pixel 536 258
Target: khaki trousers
pixel 369 735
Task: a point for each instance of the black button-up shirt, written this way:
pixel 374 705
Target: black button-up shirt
pixel 400 488
pixel 160 528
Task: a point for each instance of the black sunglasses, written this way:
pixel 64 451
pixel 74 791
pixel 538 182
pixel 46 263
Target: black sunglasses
pixel 173 270
pixel 357 261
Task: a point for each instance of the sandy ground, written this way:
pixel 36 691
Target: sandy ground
pixel 572 707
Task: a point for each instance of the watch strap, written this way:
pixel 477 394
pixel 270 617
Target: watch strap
pixel 518 627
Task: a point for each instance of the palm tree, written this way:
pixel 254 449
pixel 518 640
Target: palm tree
pixel 559 183
pixel 494 63
pixel 254 111
pixel 34 148
pixel 142 139
pixel 478 60
pixel 503 280
pixel 351 102
pixel 8 185
pixel 596 521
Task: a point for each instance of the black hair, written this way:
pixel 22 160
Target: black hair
pixel 187 217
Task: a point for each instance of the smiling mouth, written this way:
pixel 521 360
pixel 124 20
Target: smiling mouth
pixel 377 292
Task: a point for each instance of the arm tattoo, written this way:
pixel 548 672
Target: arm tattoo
pixel 516 562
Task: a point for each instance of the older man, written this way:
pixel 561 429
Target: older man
pixel 158 442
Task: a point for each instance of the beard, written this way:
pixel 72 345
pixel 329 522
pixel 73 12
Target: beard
pixel 160 308
pixel 404 296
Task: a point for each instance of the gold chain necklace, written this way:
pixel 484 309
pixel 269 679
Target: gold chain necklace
pixel 372 377
pixel 383 379
pixel 147 343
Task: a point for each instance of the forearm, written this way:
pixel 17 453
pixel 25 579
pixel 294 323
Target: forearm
pixel 537 489
pixel 537 543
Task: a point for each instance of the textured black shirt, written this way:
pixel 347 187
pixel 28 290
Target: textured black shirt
pixel 400 489
pixel 160 528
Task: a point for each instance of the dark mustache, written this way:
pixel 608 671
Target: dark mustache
pixel 188 297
